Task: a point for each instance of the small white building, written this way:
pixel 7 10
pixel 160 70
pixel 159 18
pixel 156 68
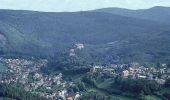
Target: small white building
pixel 79 46
pixel 125 73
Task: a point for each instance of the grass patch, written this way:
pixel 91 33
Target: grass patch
pixel 150 97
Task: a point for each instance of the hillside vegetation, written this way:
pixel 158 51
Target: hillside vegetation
pixel 111 37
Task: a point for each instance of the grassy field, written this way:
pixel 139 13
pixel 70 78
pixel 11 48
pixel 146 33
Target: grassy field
pixel 152 98
pixel 113 97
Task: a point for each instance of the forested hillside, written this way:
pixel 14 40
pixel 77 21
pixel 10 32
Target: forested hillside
pixel 112 36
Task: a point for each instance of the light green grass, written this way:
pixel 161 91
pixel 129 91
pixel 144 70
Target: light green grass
pixel 113 97
pixel 152 98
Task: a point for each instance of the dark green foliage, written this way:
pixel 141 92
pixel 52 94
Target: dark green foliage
pixel 167 95
pixel 67 65
pixel 90 80
pixel 136 87
pixel 17 93
pixel 167 83
pixel 132 88
pixel 107 37
pixel 79 87
pixel 168 65
pixel 159 14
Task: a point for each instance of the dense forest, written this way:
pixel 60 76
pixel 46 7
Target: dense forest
pixel 17 93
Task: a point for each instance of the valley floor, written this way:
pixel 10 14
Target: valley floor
pixel 111 82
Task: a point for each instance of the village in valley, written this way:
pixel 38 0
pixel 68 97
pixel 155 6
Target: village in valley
pixel 135 71
pixel 27 73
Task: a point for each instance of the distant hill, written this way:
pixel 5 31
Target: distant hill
pixel 158 13
pixel 107 36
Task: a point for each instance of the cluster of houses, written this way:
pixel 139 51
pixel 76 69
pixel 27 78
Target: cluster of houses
pixel 77 46
pixel 19 69
pixel 27 73
pixel 135 71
